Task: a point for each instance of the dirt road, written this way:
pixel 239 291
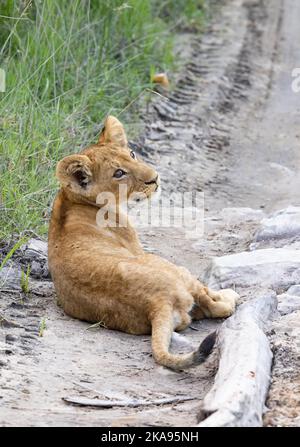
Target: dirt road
pixel 229 128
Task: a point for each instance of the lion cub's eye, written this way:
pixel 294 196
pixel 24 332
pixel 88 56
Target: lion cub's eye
pixel 119 173
pixel 132 155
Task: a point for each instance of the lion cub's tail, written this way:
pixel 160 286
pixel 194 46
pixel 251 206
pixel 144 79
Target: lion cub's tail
pixel 162 329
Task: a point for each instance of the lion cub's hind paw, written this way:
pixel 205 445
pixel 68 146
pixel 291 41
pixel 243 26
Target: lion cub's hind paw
pixel 229 297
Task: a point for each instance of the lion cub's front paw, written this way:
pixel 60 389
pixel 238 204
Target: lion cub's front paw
pixel 230 298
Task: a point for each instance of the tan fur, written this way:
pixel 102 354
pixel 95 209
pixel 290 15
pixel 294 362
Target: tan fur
pixel 103 274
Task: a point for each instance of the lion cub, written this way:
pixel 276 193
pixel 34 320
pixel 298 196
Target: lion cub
pixel 101 273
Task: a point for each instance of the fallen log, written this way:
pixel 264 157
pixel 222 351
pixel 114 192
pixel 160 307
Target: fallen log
pixel 132 403
pixel 237 398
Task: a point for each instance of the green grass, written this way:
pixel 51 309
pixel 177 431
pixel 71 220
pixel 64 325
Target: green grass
pixel 25 280
pixel 69 64
pixel 42 327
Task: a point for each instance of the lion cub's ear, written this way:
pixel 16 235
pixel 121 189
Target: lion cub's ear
pixel 74 171
pixel 113 132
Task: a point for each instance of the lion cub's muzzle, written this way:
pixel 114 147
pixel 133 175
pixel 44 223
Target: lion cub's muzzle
pixel 153 181
pixel 147 188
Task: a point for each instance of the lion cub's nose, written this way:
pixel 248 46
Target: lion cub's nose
pixel 152 181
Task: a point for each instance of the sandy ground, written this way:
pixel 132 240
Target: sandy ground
pixel 229 129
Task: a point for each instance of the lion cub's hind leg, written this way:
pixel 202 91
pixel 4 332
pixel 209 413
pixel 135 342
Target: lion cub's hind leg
pixel 181 320
pixel 207 303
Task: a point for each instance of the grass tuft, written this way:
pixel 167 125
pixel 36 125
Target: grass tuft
pixel 25 280
pixel 68 64
pixel 42 327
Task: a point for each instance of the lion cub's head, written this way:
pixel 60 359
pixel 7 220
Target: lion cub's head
pixel 105 166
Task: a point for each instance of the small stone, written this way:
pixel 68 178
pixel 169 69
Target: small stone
pixel 10 277
pixel 10 338
pixel 35 248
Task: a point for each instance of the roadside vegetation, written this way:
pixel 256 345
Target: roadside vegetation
pixel 67 65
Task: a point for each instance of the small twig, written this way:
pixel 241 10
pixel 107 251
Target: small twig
pixel 96 325
pixel 83 401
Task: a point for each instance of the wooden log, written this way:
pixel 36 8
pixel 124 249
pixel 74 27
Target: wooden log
pixel 237 398
pixel 132 403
